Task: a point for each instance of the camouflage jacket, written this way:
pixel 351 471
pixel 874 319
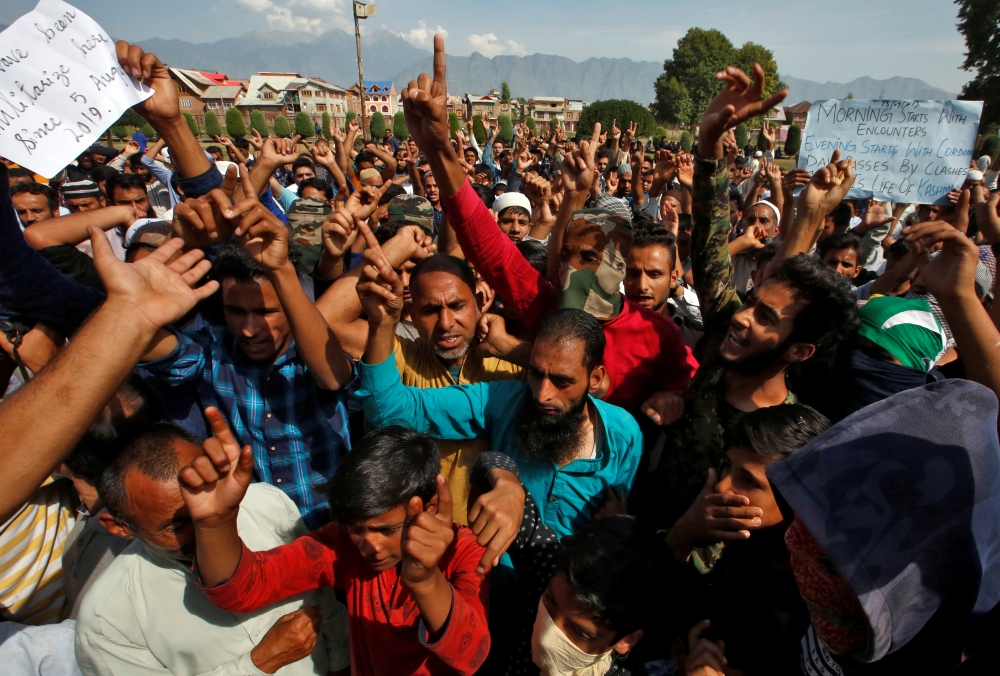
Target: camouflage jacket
pixel 695 442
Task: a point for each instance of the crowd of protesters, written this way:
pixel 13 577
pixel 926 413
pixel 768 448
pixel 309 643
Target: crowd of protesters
pixel 588 407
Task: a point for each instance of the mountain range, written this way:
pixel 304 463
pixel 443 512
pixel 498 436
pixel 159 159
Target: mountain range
pixel 333 57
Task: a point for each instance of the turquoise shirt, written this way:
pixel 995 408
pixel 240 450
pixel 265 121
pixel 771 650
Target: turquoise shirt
pixel 567 496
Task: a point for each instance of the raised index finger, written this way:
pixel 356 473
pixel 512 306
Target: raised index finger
pixel 221 431
pixel 440 66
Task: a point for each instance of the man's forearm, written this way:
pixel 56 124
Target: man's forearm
pixel 185 152
pixel 976 339
pixel 447 170
pixel 381 341
pixel 571 203
pixel 218 548
pixel 72 228
pixel 71 390
pixel 434 598
pixel 314 339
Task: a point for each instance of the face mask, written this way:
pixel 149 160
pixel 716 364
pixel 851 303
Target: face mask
pixel 597 292
pixel 556 655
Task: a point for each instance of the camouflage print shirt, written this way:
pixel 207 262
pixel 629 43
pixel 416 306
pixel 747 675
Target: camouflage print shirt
pixel 695 442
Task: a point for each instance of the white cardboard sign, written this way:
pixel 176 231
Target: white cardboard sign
pixel 60 87
pixel 904 151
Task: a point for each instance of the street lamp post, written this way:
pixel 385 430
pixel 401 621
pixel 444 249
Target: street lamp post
pixel 361 11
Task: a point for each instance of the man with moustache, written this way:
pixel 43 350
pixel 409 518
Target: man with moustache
pixel 571 447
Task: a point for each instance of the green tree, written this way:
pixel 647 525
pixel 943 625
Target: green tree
pixel 235 126
pixel 399 129
pixel 212 126
pixel 120 130
pixel 619 110
pixel 979 22
pixel 991 146
pixel 850 95
pixel 504 92
pixel 281 127
pixel 478 130
pixel 258 122
pixel 148 131
pixel 794 140
pixel 659 134
pixel 192 124
pixel 454 123
pixel 506 131
pixel 304 125
pixel 688 82
pixel 742 135
pixel 377 125
pixel 130 118
pixel 686 141
pixel 530 121
pixel 326 126
pixel 672 104
pixel 350 116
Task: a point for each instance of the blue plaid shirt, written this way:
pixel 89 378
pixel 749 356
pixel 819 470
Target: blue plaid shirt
pixel 298 431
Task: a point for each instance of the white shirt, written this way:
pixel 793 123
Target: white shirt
pixel 146 615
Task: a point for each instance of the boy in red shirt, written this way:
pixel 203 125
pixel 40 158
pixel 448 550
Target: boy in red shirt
pixel 415 601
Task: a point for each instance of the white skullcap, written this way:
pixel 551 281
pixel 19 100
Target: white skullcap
pixel 511 199
pixel 975 175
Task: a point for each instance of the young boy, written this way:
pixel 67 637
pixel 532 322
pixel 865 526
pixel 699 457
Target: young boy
pixel 415 601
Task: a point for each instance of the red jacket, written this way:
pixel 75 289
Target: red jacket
pixel 387 634
pixel 644 352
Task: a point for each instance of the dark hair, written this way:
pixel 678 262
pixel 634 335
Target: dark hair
pixel 612 567
pixel 468 148
pixel 21 172
pixel 213 149
pixel 51 198
pixel 318 184
pixel 235 263
pixel 103 172
pixel 135 160
pixel 241 142
pixel 486 194
pixel 831 312
pixel 566 325
pixel 603 154
pixel 444 263
pixel 303 162
pixel 735 196
pixel 535 253
pixel 483 169
pixel 134 407
pixel 898 249
pixel 124 182
pixel 151 452
pixel 842 215
pixel 644 237
pixel 840 240
pixel 364 156
pixel 394 190
pixel 388 467
pixel 775 432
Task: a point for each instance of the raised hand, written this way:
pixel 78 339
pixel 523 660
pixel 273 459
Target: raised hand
pixel 256 140
pixel 738 101
pixel 425 105
pixel 131 148
pixel 704 658
pixel 363 203
pixel 664 166
pixel 616 133
pixel 214 484
pixel 338 134
pixel 153 289
pixel 164 104
pixel 768 132
pixel 353 126
pixel 579 170
pixel 685 170
pixel 339 233
pixel 794 179
pixel 426 536
pixel 277 151
pixel 669 217
pixel 988 218
pixel 379 287
pixel 496 515
pixel 952 273
pixel 827 188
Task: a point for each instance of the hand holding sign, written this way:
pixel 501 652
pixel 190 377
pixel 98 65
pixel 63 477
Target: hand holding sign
pixel 61 87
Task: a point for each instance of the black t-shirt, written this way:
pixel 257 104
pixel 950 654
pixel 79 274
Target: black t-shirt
pixel 73 263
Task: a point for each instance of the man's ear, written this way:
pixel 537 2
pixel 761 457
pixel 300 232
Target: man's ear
pixel 675 275
pixel 597 377
pixel 797 352
pixel 627 642
pixel 114 527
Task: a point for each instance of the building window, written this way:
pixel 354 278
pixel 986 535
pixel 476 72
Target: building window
pixel 214 105
pixel 384 99
pixel 186 103
pixel 267 96
pixel 385 109
pixel 320 107
pixel 372 109
pixel 321 94
pixel 306 92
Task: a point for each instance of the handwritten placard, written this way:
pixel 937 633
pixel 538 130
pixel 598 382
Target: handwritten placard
pixel 60 87
pixel 904 151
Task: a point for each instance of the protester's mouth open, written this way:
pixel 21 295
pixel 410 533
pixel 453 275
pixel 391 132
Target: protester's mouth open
pixel 736 339
pixel 449 342
pixel 644 301
pixel 254 345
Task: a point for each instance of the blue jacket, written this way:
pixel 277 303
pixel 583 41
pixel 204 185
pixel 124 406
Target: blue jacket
pixel 567 496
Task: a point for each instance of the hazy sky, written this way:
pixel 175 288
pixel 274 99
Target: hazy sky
pixel 810 39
